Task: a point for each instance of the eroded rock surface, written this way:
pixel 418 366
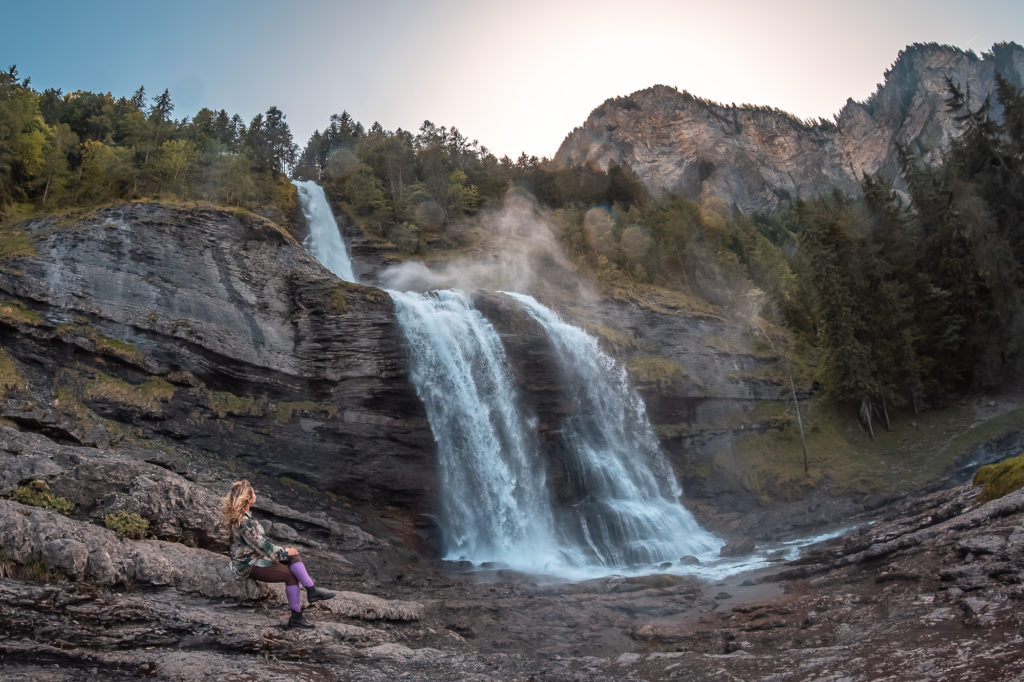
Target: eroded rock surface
pixel 217 333
pixel 930 591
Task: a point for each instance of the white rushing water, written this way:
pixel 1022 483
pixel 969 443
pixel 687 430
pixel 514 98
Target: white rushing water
pixel 324 240
pixel 628 512
pixel 494 501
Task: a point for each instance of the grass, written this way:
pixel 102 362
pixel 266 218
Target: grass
pixel 148 396
pixel 841 455
pixel 336 299
pixel 664 373
pixel 104 344
pixel 10 377
pixel 34 570
pixel 72 387
pixel 16 312
pixel 286 411
pixel 15 243
pixel 224 403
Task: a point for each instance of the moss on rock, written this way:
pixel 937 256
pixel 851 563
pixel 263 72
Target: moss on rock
pixel 126 524
pixel 663 373
pixel 1000 478
pixel 10 377
pixel 37 494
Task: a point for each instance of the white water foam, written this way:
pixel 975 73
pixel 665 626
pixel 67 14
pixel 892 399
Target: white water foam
pixel 324 239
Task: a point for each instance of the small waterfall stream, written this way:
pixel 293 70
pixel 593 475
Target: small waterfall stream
pixel 495 502
pixel 324 240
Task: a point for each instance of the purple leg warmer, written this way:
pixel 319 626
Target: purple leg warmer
pixel 294 597
pixel 299 571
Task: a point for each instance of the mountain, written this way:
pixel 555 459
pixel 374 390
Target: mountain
pixel 759 158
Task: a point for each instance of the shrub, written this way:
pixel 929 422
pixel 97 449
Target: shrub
pixel 1000 478
pixel 37 494
pixel 126 524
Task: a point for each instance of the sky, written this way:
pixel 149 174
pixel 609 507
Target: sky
pixel 517 76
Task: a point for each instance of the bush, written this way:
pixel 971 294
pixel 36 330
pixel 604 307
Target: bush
pixel 1000 478
pixel 37 494
pixel 126 524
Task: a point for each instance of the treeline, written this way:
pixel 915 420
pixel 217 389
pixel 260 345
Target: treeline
pixel 80 148
pixel 912 300
pixel 411 188
pixel 404 186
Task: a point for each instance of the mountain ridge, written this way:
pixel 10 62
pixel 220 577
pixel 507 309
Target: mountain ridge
pixel 760 158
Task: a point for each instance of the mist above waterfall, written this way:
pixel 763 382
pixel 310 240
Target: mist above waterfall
pixel 523 252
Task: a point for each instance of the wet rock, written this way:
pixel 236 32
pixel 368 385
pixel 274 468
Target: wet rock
pixel 741 547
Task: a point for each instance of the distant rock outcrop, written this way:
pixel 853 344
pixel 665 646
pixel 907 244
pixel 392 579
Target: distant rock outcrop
pixel 760 158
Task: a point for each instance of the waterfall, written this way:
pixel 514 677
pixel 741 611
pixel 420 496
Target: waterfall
pixel 495 504
pixel 324 240
pixel 627 512
pixel 494 501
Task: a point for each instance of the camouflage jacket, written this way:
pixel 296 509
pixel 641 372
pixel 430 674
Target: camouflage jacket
pixel 250 547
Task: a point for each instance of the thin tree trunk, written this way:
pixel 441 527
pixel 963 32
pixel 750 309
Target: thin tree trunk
pixel 796 402
pixel 865 415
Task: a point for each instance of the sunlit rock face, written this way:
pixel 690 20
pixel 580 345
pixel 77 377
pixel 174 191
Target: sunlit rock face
pixel 760 158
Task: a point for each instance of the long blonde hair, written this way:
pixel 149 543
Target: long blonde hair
pixel 236 503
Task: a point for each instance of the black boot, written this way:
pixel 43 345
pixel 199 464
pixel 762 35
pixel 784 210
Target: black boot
pixel 299 621
pixel 315 594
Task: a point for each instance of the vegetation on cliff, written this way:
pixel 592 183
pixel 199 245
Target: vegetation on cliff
pixel 908 301
pixel 85 148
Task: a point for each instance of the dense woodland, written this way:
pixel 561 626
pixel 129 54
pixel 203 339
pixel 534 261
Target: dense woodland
pixel 905 297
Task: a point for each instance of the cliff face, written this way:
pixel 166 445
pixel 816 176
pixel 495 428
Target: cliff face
pixel 759 158
pixel 214 334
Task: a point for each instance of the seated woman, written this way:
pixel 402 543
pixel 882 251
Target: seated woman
pixel 253 555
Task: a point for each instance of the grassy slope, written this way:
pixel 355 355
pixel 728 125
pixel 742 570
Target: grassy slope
pixel 843 457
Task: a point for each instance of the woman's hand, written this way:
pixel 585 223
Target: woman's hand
pixel 291 551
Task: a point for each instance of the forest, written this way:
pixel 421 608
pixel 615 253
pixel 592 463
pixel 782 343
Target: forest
pixel 905 296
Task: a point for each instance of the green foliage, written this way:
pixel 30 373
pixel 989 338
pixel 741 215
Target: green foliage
pixel 37 494
pixel 908 304
pixel 126 524
pixel 15 242
pixel 59 150
pixel 1000 478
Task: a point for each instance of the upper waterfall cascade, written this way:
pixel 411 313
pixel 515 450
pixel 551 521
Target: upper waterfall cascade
pixel 324 240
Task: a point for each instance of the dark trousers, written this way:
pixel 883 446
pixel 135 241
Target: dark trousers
pixel 276 573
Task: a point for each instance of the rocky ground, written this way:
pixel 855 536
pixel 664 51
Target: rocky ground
pixel 930 589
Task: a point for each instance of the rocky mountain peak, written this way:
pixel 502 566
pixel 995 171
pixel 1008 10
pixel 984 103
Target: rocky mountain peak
pixel 759 158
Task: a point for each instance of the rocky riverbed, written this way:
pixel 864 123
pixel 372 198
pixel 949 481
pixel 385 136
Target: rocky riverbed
pixel 929 589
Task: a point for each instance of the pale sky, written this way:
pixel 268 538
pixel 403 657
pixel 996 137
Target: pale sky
pixel 517 76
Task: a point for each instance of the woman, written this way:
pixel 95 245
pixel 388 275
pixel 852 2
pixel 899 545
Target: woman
pixel 253 555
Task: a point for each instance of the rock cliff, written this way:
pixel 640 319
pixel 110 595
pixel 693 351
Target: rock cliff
pixel 210 334
pixel 759 158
